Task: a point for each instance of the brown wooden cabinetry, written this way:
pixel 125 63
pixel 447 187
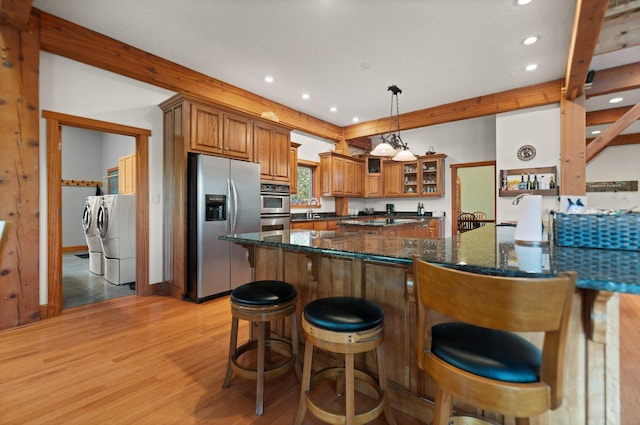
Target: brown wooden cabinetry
pixel 219 132
pixel 393 178
pixel 373 177
pixel 293 167
pixel 317 224
pixel 342 175
pixel 273 149
pixel 193 125
pixel 127 175
pixel 423 177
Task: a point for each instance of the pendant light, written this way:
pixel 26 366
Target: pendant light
pixel 392 144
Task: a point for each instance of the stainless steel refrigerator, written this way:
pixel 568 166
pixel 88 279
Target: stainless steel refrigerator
pixel 224 197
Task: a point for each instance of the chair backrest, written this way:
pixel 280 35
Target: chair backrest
pixel 480 215
pixel 504 303
pixel 467 221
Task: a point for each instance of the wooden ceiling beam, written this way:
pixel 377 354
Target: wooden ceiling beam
pixel 584 37
pixel 622 139
pixel 75 42
pixel 510 100
pixel 620 29
pixel 15 13
pixel 606 116
pixel 613 80
pixel 604 139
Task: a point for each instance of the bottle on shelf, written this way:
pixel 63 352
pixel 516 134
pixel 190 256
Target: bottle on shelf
pixel 536 183
pixel 523 184
pixel 529 184
pixel 552 184
pixel 543 183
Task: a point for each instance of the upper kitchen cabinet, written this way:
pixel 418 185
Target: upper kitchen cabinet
pixel 431 175
pixel 273 148
pixel 373 177
pixel 207 128
pixel 221 133
pixel 342 175
pixel 127 174
pixel 293 167
pixel 423 177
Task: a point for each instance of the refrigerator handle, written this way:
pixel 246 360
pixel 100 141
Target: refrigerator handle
pixel 228 224
pixel 235 207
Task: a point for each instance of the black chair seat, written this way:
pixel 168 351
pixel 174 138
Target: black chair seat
pixel 498 355
pixel 264 292
pixel 343 314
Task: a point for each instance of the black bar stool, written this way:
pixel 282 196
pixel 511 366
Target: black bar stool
pixel 259 303
pixel 349 326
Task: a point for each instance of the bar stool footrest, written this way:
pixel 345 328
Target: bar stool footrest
pixel 271 370
pixel 339 418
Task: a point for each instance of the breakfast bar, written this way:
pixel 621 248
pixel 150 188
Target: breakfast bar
pixel 379 268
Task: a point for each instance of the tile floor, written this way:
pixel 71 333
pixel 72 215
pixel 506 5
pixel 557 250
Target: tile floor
pixel 80 286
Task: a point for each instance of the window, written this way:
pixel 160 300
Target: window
pixel 308 184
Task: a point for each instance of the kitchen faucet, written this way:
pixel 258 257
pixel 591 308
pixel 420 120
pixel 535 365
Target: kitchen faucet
pixel 310 210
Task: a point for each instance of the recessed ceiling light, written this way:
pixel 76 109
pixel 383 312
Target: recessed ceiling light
pixel 531 67
pixel 523 2
pixel 268 79
pixel 596 132
pixel 530 40
pixel 333 109
pixel 615 100
pixel 305 96
pixel 355 119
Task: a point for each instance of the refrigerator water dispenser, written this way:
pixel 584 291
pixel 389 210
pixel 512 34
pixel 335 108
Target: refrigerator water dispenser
pixel 215 207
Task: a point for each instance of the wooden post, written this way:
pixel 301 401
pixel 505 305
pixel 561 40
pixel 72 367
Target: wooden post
pixel 19 173
pixel 573 164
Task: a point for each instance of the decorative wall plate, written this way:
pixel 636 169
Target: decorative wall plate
pixel 526 152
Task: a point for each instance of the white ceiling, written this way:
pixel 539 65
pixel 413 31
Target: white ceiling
pixel 345 53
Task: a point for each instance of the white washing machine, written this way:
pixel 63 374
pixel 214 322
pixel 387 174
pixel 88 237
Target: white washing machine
pixel 117 229
pixel 91 234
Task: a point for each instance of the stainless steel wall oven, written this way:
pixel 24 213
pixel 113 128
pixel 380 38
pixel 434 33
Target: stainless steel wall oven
pixel 275 209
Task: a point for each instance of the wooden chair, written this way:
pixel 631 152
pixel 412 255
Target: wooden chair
pixel 480 215
pixel 478 359
pixel 467 221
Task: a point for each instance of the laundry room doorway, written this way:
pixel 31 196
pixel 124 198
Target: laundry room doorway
pixel 56 122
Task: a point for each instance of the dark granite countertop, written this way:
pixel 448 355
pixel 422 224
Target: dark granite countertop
pixel 298 217
pixel 489 249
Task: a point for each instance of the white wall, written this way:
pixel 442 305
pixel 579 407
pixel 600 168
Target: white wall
pixel 81 160
pixel 539 127
pixel 76 89
pixel 615 163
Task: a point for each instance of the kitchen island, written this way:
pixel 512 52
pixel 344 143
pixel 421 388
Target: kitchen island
pixel 379 268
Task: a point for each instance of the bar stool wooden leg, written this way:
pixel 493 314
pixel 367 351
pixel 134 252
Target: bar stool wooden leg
pixel 233 341
pixel 260 370
pixel 306 383
pixel 295 347
pixel 350 389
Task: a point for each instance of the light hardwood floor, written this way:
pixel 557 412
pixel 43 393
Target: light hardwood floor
pixel 157 360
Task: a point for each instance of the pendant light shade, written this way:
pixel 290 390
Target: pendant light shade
pixel 392 144
pixel 383 149
pixel 404 155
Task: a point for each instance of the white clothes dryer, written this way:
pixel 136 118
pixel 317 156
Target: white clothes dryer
pixel 117 229
pixel 91 234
